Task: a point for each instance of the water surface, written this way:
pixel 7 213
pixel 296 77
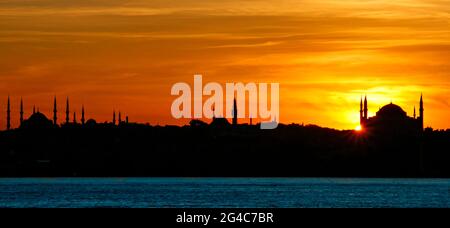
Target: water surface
pixel 223 192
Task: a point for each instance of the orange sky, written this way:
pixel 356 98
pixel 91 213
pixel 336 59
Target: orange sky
pixel 126 55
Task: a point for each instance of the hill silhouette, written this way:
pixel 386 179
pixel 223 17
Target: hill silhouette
pixel 199 149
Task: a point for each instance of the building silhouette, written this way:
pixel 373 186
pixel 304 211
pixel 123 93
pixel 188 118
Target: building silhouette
pixel 90 123
pixel 67 110
pixel 55 112
pixel 82 115
pixel 37 121
pixel 8 116
pixel 219 122
pixel 391 117
pixel 235 112
pixel 114 117
pixel 74 118
pixel 21 111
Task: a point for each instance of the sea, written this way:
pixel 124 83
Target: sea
pixel 224 193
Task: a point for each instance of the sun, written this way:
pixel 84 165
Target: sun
pixel 358 128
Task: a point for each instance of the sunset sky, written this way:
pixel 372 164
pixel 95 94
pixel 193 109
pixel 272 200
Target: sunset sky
pixel 126 55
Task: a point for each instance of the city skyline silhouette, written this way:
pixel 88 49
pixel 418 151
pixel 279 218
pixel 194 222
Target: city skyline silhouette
pixel 69 118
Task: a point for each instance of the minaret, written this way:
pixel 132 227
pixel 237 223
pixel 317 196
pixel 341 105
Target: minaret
pixel 82 114
pixel 361 111
pixel 126 119
pixel 74 117
pixel 67 110
pixel 365 108
pixel 55 112
pixel 21 111
pixel 34 109
pixel 421 112
pixel 120 118
pixel 235 113
pixel 8 116
pixel 414 111
pixel 114 117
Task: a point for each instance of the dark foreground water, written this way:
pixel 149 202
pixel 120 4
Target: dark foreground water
pixel 223 192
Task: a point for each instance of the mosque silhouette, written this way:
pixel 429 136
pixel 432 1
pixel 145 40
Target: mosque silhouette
pixel 38 120
pixel 392 118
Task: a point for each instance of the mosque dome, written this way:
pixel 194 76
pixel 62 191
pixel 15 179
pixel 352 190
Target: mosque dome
pixel 37 120
pixel 220 122
pixel 91 122
pixel 391 111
